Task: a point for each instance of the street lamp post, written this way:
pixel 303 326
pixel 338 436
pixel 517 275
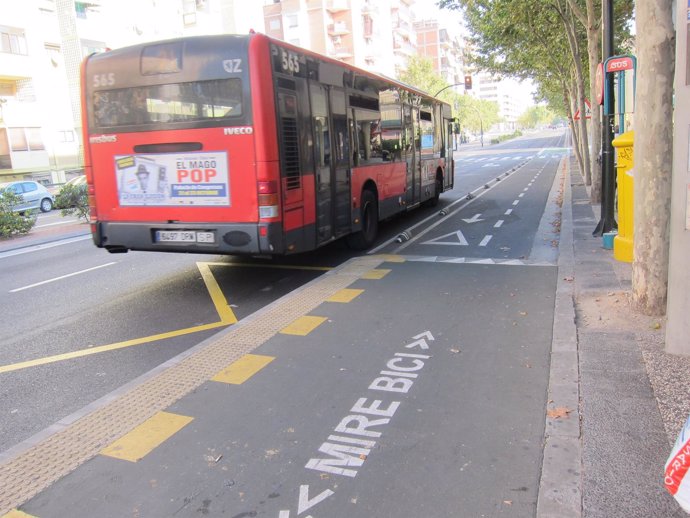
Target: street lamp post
pixel 481 122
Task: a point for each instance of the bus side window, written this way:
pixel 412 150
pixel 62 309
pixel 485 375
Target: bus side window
pixel 322 143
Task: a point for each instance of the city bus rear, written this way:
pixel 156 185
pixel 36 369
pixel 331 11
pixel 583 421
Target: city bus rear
pixel 178 148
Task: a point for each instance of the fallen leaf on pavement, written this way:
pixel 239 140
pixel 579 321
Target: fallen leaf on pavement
pixel 558 412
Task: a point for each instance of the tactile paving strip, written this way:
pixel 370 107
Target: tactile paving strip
pixel 35 469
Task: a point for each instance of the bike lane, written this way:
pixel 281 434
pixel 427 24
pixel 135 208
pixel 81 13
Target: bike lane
pixel 384 388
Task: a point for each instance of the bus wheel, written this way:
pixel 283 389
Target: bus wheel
pixel 365 237
pixel 433 201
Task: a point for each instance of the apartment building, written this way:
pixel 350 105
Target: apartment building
pixel 505 93
pixel 42 44
pixel 39 67
pixel 363 33
pixel 444 49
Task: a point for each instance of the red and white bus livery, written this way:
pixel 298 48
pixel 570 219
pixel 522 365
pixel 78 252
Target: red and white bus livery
pixel 248 145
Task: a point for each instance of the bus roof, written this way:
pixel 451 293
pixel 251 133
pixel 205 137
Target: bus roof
pixel 205 45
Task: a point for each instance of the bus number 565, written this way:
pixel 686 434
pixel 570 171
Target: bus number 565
pixel 101 80
pixel 290 62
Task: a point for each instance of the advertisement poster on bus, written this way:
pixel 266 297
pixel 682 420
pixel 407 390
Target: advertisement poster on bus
pixel 186 179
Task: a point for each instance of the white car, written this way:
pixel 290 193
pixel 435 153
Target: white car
pixel 33 194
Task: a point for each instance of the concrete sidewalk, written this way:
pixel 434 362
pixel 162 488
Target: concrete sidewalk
pixel 634 398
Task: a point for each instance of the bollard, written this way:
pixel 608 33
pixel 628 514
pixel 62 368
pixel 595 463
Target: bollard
pixel 623 242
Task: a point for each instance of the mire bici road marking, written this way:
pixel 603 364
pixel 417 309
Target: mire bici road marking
pixel 227 317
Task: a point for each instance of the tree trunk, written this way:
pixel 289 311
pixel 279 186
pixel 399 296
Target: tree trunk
pixel 653 154
pixel 594 51
pixel 571 33
pixel 567 97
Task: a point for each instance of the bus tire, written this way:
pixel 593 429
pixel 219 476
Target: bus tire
pixel 438 187
pixel 365 237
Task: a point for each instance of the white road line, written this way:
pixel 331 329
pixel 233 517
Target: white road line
pixel 36 248
pixel 525 189
pixel 498 223
pixel 61 277
pixel 521 195
pixel 516 202
pixel 486 240
pixel 57 223
pixel 508 212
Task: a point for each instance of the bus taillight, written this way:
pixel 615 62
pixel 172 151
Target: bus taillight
pixel 268 199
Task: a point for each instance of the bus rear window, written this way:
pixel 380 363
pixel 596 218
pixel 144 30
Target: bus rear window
pixel 196 101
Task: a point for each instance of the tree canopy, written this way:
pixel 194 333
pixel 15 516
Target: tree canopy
pixel 474 115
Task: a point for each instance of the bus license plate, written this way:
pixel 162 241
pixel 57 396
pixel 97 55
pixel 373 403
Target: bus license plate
pixel 184 236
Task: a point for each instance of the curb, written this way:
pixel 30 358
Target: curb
pixel 560 488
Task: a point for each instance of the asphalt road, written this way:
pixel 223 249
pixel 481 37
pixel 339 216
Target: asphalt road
pixel 77 322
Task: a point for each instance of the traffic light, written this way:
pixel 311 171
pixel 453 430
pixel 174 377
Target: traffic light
pixel 468 82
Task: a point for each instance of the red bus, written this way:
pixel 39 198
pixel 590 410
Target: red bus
pixel 248 145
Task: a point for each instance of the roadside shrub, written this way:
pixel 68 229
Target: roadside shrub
pixel 73 200
pixel 11 222
pixel 503 138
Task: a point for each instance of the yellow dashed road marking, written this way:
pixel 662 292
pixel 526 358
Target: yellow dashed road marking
pixel 391 258
pixel 377 273
pixel 147 436
pixel 303 325
pixel 345 295
pixel 240 371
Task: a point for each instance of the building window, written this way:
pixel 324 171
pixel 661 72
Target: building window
pixel 13 41
pixel 83 9
pixel 89 47
pixel 66 136
pixel 292 21
pixel 53 52
pixel 26 139
pixel 189 8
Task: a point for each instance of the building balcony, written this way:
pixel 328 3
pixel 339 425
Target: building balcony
pixel 14 66
pixel 370 8
pixel 337 6
pixel 338 29
pixel 404 48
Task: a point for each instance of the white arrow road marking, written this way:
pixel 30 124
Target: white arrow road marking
pixel 461 241
pixel 305 503
pixel 473 219
pixel 425 334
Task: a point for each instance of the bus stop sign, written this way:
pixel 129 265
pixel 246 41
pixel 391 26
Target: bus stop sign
pixel 620 64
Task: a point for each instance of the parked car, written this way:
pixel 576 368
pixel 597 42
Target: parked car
pixel 33 194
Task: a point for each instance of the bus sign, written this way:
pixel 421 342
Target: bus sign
pixel 619 64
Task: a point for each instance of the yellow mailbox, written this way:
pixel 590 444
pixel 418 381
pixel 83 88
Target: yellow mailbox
pixel 623 242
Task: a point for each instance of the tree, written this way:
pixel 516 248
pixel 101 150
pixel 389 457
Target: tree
pixel 473 114
pixel 535 116
pixel 420 74
pixel 653 154
pixel 543 40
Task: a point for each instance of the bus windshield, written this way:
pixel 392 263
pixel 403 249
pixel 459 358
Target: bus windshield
pixel 195 101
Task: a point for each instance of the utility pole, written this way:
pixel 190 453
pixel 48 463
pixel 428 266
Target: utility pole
pixel 608 184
